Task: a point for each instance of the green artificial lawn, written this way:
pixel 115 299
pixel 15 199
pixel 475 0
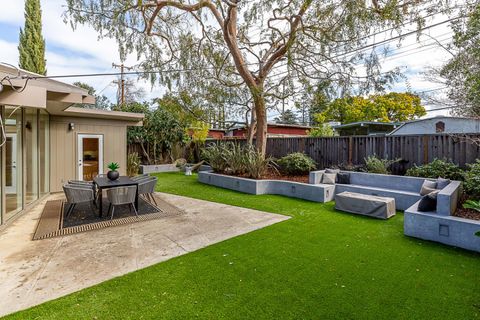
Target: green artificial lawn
pixel 321 264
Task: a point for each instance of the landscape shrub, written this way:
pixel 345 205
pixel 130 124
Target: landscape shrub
pixel 213 155
pixel 296 163
pixel 472 204
pixel 350 167
pixel 472 179
pixel 256 165
pixel 233 158
pixel 133 164
pixel 373 164
pixel 437 168
pixel 234 155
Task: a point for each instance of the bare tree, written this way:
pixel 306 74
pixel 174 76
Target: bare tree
pixel 258 44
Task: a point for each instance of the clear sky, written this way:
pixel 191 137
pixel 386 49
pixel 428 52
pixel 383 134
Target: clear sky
pixel 80 51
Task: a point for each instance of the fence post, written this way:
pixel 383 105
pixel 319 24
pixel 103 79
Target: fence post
pixel 425 149
pixel 350 150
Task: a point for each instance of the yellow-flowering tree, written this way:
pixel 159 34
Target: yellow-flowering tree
pixel 390 107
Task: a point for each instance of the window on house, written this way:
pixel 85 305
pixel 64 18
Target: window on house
pixel 440 126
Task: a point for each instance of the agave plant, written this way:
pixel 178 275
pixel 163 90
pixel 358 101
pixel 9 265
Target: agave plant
pixel 234 155
pixel 256 165
pixel 113 166
pixel 213 155
pixel 471 204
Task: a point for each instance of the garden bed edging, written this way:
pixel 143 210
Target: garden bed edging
pixel 450 230
pixel 312 192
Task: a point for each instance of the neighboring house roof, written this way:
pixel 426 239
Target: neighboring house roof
pixel 282 125
pixel 54 96
pixel 438 118
pixel 367 123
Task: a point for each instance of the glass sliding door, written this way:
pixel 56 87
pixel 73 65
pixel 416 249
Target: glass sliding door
pixel 13 162
pixel 44 152
pixel 31 155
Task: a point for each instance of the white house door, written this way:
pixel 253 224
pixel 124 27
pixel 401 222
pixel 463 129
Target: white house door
pixel 11 163
pixel 90 156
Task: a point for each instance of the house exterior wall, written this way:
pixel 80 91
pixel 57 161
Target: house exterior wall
pixel 429 126
pixel 63 146
pixel 273 130
pixel 287 131
pixel 216 134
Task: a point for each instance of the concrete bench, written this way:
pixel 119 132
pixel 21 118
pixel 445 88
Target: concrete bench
pixel 372 206
pixel 405 190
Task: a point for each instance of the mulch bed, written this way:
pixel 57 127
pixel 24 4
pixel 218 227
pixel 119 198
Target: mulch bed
pixel 275 175
pixel 466 213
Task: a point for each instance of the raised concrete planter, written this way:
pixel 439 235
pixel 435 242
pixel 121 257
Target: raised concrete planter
pixel 450 230
pixel 167 168
pixel 316 193
pixel 158 168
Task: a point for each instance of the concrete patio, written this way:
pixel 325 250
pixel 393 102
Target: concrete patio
pixel 32 272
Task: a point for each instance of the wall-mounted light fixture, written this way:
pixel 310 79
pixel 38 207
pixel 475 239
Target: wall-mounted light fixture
pixel 71 126
pixel 28 125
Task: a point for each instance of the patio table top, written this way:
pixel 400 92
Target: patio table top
pixel 122 181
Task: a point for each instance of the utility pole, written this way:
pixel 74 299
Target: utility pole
pixel 121 84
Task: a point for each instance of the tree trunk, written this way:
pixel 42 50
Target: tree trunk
pixel 145 153
pixel 261 113
pixel 251 127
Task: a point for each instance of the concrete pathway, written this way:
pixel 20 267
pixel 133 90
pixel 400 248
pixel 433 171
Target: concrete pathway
pixel 32 272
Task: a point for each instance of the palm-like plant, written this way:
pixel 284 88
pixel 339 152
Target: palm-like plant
pixel 471 204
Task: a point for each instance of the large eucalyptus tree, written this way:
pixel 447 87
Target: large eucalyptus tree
pixel 262 45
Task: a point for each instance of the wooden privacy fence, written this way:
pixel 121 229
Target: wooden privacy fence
pixel 415 149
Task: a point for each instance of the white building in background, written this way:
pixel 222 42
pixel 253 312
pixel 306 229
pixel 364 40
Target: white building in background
pixel 439 124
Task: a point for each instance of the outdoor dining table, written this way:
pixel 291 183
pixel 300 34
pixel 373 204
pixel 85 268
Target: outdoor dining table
pixel 105 183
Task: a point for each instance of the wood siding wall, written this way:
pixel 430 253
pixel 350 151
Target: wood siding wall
pixel 419 149
pixel 63 146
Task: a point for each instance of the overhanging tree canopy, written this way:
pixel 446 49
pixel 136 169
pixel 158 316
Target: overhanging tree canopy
pixel 260 45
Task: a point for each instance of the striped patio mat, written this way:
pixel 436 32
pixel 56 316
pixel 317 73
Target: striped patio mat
pixel 51 223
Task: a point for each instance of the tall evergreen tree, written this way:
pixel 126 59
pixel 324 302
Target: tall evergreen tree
pixel 32 45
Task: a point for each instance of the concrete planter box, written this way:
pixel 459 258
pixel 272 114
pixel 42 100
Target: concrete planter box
pixel 316 193
pixel 450 230
pixel 158 168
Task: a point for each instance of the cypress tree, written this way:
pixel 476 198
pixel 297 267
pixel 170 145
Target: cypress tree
pixel 32 45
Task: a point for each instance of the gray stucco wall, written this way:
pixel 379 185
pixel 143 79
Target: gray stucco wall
pixel 449 230
pixel 428 126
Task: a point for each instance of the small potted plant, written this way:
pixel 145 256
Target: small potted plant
pixel 113 174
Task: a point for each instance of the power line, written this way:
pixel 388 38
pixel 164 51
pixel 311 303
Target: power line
pixel 373 45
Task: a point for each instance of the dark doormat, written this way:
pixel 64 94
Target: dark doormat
pixel 53 221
